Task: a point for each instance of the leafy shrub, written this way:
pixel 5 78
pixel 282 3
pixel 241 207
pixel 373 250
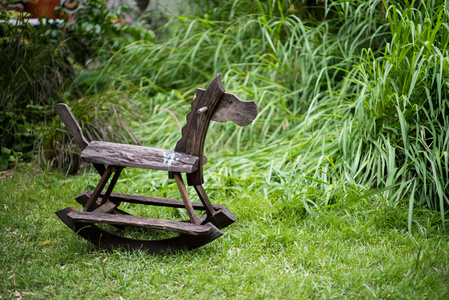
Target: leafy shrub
pixel 34 67
pixel 96 28
pixel 38 66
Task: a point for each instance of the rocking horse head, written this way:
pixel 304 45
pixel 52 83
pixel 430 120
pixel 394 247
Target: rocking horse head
pixel 216 105
pixel 213 104
pixel 231 108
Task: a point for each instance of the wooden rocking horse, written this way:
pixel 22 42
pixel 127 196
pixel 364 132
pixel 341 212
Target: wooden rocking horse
pixel 102 207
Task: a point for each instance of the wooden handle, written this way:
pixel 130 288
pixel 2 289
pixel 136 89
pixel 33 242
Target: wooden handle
pixel 72 125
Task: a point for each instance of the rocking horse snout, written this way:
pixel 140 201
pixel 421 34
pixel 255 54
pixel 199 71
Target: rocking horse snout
pixel 231 108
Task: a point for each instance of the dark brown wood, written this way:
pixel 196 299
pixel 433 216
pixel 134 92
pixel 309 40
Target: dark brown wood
pixel 144 222
pixel 188 157
pixel 100 169
pixel 98 189
pixel 204 199
pixel 195 130
pixel 139 157
pixel 138 199
pixel 111 185
pixel 185 198
pixel 106 208
pixel 84 197
pixel 105 239
pixel 221 218
pixel 231 108
pixel 72 125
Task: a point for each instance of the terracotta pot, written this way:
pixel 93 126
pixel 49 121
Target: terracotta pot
pixel 45 8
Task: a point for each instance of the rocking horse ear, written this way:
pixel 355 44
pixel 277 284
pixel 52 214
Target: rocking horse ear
pixel 231 108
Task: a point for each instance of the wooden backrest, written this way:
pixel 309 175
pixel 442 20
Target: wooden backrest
pixel 72 125
pixel 211 104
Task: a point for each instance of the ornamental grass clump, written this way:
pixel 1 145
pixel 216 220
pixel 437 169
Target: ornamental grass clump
pixel 397 120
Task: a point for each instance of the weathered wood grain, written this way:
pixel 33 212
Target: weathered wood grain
pixel 220 218
pixel 108 240
pixel 197 121
pixel 101 207
pixel 84 197
pixel 138 199
pixel 195 130
pixel 117 171
pixel 72 125
pixel 106 208
pixel 185 198
pixel 98 189
pixel 144 222
pixel 231 108
pixel 124 155
pixel 204 199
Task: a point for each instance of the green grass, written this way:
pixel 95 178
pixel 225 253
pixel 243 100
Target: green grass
pixel 272 251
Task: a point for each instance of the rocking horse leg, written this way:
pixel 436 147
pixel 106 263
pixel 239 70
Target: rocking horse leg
pixel 100 168
pixel 220 218
pixel 100 186
pixel 185 198
pixel 204 199
pixel 111 186
pixel 91 203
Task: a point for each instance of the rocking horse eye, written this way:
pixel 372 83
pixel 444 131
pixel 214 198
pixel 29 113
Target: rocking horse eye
pixel 230 100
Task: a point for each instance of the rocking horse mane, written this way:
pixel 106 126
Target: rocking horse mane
pixel 193 134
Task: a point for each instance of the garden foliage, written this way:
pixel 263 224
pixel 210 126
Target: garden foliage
pixel 352 94
pixel 39 67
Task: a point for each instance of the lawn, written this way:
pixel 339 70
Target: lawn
pixel 360 252
pixel 339 185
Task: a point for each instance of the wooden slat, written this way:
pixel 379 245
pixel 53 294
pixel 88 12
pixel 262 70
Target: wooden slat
pixel 106 208
pixel 156 201
pixel 150 223
pixel 185 198
pixel 124 155
pixel 108 240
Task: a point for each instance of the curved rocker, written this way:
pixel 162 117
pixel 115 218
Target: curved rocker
pixel 110 158
pixel 105 239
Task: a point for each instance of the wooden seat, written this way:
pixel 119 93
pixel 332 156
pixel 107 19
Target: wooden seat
pixel 211 104
pixel 123 155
